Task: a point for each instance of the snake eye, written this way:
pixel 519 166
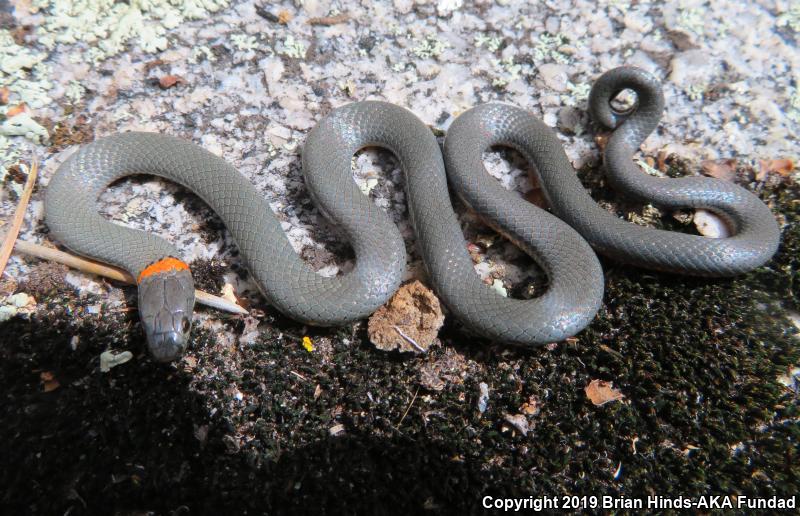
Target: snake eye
pixel 185 325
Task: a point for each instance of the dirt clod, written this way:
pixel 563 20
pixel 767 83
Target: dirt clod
pixel 409 322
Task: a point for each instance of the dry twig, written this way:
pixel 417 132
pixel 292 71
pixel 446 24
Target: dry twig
pixel 19 216
pixel 329 20
pixel 92 267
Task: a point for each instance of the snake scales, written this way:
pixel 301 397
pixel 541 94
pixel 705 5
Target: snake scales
pixel 561 243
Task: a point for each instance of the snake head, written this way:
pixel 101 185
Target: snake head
pixel 166 302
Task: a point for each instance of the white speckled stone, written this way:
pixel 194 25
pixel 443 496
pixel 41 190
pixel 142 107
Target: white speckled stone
pixel 438 58
pixel 554 76
pixel 692 67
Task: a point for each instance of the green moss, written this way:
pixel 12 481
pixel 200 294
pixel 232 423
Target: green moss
pixel 782 275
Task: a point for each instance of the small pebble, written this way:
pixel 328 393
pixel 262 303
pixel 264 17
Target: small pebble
pixel 19 300
pixel 110 359
pixel 519 422
pixel 554 76
pixel 710 225
pixel 498 286
pixel 7 312
pixel 483 399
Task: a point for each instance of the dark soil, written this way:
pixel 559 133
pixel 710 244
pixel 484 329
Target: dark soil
pixel 248 429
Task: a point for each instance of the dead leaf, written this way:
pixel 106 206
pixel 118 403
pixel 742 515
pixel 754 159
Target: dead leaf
pixel 530 407
pixel 601 140
pixel 63 134
pixel 168 81
pixel 20 33
pixel 49 381
pixel 284 17
pixel 16 110
pixel 5 93
pixel 682 40
pixel 662 161
pixel 152 64
pixel 190 361
pixel 721 169
pixel 228 294
pixel 329 20
pixel 782 167
pixel 601 392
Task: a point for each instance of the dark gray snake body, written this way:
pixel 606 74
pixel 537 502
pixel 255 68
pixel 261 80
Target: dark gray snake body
pixel 575 278
pixel 756 234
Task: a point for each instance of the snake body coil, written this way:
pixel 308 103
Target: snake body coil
pixel 575 284
pixel 755 232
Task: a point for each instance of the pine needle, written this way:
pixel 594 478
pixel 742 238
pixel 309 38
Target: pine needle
pixel 19 216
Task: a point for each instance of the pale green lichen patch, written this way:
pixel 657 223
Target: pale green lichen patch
pixel 23 72
pixel 109 26
pixel 548 48
pixel 74 91
pixel 106 27
pixel 649 216
pixel 794 104
pixel 790 18
pixel 19 303
pixel 577 94
pixel 23 125
pixel 244 42
pixel 653 171
pixel 16 58
pixel 695 91
pixel 293 48
pixel 692 20
pixel 506 71
pixel 430 47
pixel 202 52
pixel 491 43
pixel 621 5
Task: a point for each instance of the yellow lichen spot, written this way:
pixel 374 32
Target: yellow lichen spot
pixel 308 344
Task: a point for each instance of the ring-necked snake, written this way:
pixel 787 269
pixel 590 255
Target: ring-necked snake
pixel 557 243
